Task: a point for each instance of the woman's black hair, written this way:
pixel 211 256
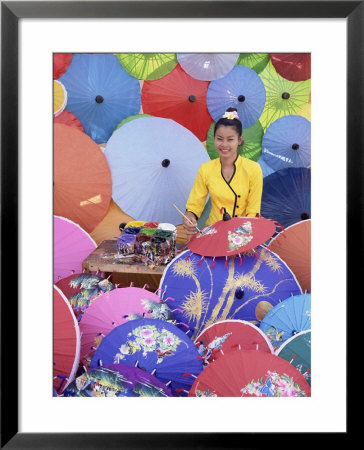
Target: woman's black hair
pixel 236 123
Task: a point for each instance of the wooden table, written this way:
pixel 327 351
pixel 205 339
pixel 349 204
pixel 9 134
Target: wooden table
pixel 104 259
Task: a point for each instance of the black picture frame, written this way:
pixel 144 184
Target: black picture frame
pixel 11 12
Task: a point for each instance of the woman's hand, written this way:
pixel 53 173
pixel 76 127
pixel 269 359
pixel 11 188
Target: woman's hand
pixel 190 227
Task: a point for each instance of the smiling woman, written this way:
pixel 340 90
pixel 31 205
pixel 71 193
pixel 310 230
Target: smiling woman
pixel 233 182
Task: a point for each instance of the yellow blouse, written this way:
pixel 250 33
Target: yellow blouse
pixel 241 196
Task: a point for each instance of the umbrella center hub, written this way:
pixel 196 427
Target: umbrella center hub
pixel 285 95
pixel 241 98
pixel 192 98
pixel 239 293
pixel 305 216
pixel 166 162
pixel 295 146
pixel 99 98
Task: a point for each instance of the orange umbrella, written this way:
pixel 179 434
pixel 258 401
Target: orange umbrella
pixel 82 179
pixel 295 250
pixel 108 228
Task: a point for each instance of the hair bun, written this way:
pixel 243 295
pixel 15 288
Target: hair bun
pixel 231 114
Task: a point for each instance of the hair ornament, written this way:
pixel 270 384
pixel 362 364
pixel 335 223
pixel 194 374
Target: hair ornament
pixel 230 115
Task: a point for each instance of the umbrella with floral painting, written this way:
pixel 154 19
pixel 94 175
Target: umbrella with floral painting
pixel 157 346
pixel 250 373
pixel 114 308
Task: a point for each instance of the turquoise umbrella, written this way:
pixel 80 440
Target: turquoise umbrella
pixel 287 318
pixel 297 351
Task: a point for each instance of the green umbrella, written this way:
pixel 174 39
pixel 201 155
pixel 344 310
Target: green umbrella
pixel 148 66
pixel 256 61
pixel 283 97
pixel 130 118
pixel 251 148
pixel 297 351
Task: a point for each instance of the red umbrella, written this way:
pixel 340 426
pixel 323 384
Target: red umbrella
pixel 180 97
pixel 250 373
pixel 66 341
pixel 67 118
pixel 61 62
pixel 233 236
pixel 292 66
pixel 227 335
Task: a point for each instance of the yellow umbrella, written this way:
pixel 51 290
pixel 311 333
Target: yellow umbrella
pixel 59 98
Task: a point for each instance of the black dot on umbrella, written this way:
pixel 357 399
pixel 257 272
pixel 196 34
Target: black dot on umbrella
pixel 241 98
pixel 239 293
pixel 305 216
pixel 99 98
pixel 285 96
pixel 295 146
pixel 166 162
pixel 192 98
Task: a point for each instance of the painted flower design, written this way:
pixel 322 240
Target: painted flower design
pixel 273 385
pixel 149 339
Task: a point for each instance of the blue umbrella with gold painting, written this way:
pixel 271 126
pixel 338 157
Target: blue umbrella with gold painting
pixel 205 290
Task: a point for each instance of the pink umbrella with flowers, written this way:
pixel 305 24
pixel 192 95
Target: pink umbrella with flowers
pixel 114 308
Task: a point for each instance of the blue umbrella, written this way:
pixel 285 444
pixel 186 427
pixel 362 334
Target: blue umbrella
pixel 207 66
pixel 202 291
pixel 287 318
pixel 242 89
pixel 297 351
pixel 286 195
pixel 287 143
pixel 266 169
pixel 100 93
pixel 159 347
pixel 153 163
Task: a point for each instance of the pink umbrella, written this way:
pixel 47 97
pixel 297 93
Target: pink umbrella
pixel 71 245
pixel 66 341
pixel 114 308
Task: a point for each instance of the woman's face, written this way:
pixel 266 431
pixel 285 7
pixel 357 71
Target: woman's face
pixel 227 141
